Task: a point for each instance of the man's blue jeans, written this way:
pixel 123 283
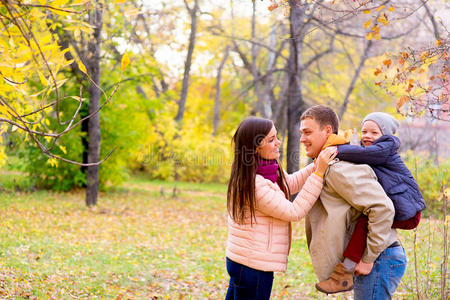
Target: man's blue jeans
pixel 248 283
pixel 381 283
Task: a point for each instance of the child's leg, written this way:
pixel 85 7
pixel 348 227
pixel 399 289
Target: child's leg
pixel 408 224
pixel 357 244
pixel 342 277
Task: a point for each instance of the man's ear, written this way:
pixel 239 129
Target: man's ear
pixel 329 130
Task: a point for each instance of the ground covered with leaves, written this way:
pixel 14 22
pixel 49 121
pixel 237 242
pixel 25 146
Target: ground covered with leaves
pixel 144 241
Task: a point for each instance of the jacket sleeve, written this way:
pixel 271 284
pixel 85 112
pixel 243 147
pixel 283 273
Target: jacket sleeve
pixel 271 201
pixel 295 181
pixel 358 185
pixel 375 154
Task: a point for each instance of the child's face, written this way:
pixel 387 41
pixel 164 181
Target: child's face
pixel 370 132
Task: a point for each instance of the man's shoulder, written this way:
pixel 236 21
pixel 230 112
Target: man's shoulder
pixel 337 166
pixel 345 169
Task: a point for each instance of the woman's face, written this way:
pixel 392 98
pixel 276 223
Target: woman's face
pixel 370 132
pixel 269 148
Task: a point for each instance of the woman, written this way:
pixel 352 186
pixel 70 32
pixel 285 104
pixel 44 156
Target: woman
pixel 259 211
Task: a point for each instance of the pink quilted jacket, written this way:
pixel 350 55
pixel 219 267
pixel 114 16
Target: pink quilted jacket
pixel 265 245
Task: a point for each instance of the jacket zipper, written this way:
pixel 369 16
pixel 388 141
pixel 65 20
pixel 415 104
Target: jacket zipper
pixel 269 245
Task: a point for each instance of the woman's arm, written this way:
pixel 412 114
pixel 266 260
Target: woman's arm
pixel 271 201
pixel 295 181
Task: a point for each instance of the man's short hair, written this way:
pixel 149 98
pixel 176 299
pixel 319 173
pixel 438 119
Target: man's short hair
pixel 324 115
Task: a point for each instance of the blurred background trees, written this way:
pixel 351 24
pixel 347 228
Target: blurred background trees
pixel 197 68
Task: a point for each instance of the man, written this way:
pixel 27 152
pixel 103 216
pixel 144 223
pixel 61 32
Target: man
pixel 348 191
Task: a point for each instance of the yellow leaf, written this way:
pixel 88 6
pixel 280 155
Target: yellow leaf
pixel 52 162
pixel 391 8
pixel 63 149
pixel 79 2
pixel 64 13
pixel 380 8
pixel 82 67
pixel 77 98
pixel 3 110
pixel 376 28
pixel 424 55
pixel 68 62
pixel 119 1
pixel 367 11
pixel 377 36
pixel 367 24
pixel 59 3
pixel 438 43
pixel 369 36
pixel 383 19
pixel 125 61
pixel 401 101
pixel 387 63
pixel 42 78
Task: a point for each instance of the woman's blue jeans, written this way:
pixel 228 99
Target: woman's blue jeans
pixel 248 283
pixel 381 283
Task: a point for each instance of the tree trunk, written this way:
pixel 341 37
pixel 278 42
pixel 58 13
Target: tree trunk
pixel 295 103
pixel 187 64
pixel 268 96
pixel 95 19
pixel 350 89
pixel 217 97
pixel 255 72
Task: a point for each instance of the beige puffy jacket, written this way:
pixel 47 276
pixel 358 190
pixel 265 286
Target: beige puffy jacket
pixel 265 244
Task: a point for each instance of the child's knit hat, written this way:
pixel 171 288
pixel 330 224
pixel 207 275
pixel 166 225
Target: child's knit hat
pixel 387 123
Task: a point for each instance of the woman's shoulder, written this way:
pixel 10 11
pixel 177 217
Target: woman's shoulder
pixel 261 182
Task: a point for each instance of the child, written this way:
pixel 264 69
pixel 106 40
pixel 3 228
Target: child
pixel 259 212
pixel 380 152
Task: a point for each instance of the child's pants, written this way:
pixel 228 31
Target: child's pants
pixel 357 243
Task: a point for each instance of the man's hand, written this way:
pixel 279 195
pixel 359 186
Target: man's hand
pixel 363 268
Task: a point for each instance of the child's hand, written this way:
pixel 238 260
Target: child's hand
pixel 363 268
pixel 325 156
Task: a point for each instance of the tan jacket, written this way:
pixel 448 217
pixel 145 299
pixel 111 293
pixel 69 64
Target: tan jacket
pixel 348 191
pixel 265 244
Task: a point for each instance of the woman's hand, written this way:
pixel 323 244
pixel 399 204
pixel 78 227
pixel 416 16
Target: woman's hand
pixel 325 156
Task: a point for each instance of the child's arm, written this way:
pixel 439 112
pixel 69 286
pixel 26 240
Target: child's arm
pixel 375 154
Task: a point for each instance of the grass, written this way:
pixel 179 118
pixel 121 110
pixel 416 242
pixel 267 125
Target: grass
pixel 141 243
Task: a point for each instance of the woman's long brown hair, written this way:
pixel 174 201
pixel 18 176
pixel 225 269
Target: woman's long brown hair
pixel 241 186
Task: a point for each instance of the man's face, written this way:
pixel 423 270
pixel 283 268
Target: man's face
pixel 313 137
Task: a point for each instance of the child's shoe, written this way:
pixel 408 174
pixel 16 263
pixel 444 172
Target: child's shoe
pixel 341 280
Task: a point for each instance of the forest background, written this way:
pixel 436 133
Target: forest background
pixel 154 90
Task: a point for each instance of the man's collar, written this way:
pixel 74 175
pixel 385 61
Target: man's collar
pixel 334 140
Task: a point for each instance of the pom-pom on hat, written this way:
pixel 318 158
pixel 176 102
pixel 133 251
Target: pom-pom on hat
pixel 387 123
